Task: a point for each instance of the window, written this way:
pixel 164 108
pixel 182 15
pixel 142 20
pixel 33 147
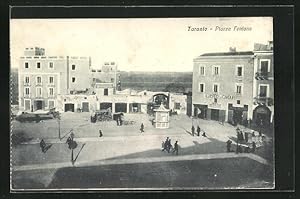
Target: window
pixel 177 105
pixel 51 65
pixel 27 91
pixel 264 66
pixel 51 80
pixel 216 70
pixel 26 65
pixel 73 79
pixel 51 104
pixel 73 67
pixel 106 91
pixel 239 89
pixel 202 70
pixel 27 81
pixel 39 80
pixel 263 90
pixel 215 100
pixel 38 65
pixel 239 71
pixel 216 88
pixel 201 87
pixel 238 101
pixel 112 79
pixel 51 91
pixel 38 92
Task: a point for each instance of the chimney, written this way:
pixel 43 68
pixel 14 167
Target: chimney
pixel 232 49
pixel 270 45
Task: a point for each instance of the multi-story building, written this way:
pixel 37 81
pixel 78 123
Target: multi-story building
pixel 41 78
pixel 263 83
pixel 234 86
pixel 69 83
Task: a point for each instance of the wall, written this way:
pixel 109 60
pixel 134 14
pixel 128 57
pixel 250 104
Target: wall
pixel 81 73
pixel 58 72
pixel 182 100
pixel 226 80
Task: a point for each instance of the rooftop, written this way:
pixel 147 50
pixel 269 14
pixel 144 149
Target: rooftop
pixel 236 53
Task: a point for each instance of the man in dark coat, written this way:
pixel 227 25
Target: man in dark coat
pixel 198 130
pixel 193 130
pixel 142 128
pixel 169 145
pixel 166 144
pixel 228 145
pixel 43 145
pixel 253 147
pixel 176 148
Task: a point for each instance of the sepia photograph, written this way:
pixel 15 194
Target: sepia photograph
pixel 181 103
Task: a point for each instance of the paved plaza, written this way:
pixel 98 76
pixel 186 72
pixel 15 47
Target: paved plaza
pixel 125 147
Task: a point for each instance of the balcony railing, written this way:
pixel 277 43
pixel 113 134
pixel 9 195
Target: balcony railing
pixel 263 101
pixel 263 75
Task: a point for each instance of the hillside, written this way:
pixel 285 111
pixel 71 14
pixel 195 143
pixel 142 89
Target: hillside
pixel 155 81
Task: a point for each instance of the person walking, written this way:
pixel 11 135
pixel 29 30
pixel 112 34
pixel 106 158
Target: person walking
pixel 193 130
pixel 253 147
pixel 198 131
pixel 228 145
pixel 162 145
pixel 142 128
pixel 43 145
pixel 176 148
pixel 100 133
pixel 169 146
pixel 165 146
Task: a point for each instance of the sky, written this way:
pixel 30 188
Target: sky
pixel 136 44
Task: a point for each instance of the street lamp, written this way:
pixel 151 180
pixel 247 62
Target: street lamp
pixel 58 120
pixel 237 140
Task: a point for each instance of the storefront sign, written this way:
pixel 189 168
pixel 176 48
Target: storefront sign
pixel 214 106
pixel 220 96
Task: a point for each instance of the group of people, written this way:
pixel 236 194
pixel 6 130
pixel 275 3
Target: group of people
pixel 167 146
pixel 239 148
pixel 198 131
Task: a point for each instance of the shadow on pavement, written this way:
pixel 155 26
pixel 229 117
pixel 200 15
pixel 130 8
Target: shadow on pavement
pixel 209 174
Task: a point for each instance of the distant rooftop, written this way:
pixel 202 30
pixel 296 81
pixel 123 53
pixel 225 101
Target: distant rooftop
pixel 228 53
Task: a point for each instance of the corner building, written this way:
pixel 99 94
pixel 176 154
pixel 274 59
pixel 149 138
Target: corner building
pixel 235 87
pixel 42 78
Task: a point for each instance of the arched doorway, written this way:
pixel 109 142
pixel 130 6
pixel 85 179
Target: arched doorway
pixel 159 99
pixel 262 115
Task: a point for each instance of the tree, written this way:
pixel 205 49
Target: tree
pixel 175 88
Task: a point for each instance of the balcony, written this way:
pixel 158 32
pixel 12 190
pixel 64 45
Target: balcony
pixel 263 101
pixel 27 96
pixel 263 76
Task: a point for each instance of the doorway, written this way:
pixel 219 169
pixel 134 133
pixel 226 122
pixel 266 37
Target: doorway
pixel 69 107
pixel 237 116
pixel 85 107
pixel 39 104
pixel 215 114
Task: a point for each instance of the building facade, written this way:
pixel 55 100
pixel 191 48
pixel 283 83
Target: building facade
pixel 69 83
pixel 231 86
pixel 41 78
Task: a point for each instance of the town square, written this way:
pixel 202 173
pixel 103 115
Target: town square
pixel 205 122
